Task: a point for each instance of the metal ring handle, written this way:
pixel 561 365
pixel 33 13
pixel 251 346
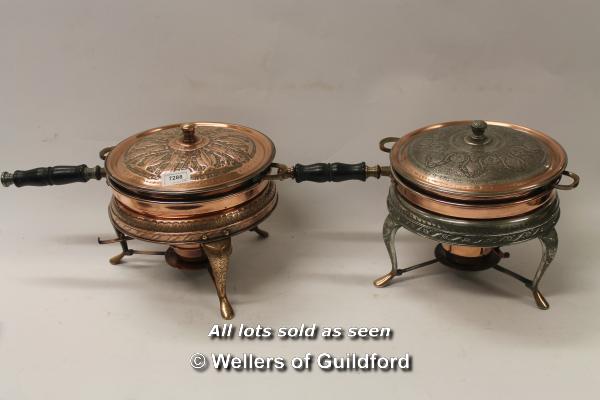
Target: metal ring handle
pixel 283 172
pixel 572 185
pixel 104 152
pixel 385 141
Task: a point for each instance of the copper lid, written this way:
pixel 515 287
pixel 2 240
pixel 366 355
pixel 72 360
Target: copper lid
pixel 193 158
pixel 475 160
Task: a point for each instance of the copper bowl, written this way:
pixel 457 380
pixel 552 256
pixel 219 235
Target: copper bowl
pixel 218 190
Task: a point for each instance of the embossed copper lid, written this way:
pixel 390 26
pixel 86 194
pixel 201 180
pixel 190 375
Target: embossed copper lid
pixel 478 160
pixel 193 158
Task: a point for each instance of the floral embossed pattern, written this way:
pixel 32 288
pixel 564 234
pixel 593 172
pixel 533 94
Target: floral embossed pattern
pixel 217 151
pixel 507 153
pixel 506 156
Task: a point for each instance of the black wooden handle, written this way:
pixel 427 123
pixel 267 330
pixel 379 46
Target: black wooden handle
pixel 326 172
pixel 47 176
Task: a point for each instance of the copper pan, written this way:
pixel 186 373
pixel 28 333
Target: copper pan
pixel 422 159
pixel 479 210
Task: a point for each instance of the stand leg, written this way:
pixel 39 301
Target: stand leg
pixel 260 232
pixel 125 249
pixel 218 256
pixel 549 247
pixel 122 239
pixel 390 227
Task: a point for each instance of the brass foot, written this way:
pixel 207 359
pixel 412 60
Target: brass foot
pixel 218 256
pixel 117 259
pixel 260 232
pixel 540 300
pixel 384 280
pixel 387 278
pixel 122 240
pixel 226 309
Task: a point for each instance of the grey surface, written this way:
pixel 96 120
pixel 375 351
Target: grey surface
pixel 325 80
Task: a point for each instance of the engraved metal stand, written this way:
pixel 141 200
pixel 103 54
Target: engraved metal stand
pixel 488 234
pixel 214 255
pixel 126 251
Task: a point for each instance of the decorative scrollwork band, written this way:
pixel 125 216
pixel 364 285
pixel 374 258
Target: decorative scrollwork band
pixel 481 233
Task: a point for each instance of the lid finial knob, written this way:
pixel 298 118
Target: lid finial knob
pixel 478 128
pixel 189 133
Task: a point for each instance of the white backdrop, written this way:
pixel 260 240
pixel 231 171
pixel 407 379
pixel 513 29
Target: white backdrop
pixel 325 80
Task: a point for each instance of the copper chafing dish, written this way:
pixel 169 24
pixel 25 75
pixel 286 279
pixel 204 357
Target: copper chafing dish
pixel 474 186
pixel 191 187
